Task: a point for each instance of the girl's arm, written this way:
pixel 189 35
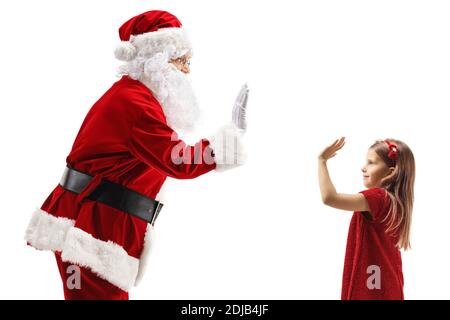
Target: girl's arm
pixel 348 202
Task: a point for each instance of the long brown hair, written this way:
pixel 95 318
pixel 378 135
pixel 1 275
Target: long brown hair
pixel 399 186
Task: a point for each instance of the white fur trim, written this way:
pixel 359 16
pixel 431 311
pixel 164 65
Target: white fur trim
pixel 125 51
pixel 47 232
pixel 228 148
pixel 149 239
pixel 172 41
pixel 107 259
pixel 146 251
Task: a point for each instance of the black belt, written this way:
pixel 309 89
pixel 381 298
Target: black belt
pixel 113 195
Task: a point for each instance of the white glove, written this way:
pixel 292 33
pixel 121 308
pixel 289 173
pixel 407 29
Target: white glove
pixel 240 109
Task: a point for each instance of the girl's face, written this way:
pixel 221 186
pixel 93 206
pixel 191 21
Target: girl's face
pixel 374 170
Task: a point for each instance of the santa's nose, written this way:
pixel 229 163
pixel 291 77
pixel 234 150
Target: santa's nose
pixel 186 69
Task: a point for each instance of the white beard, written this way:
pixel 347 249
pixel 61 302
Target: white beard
pixel 171 87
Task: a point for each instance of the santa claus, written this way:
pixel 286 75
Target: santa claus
pixel 99 219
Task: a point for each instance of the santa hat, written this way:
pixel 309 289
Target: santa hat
pixel 150 33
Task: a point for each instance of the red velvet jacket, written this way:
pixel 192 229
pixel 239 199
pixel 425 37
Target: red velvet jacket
pixel 125 139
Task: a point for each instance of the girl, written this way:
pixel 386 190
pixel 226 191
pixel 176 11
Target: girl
pixel 381 221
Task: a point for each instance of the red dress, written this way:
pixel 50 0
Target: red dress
pixel 373 263
pixel 125 139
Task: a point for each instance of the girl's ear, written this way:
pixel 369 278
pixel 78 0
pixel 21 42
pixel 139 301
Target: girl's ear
pixel 389 175
pixel 390 172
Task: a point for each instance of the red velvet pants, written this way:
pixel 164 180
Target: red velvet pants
pixel 90 286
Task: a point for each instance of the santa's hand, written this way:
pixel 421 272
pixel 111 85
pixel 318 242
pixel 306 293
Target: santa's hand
pixel 240 109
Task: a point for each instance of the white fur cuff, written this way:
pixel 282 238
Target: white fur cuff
pixel 228 148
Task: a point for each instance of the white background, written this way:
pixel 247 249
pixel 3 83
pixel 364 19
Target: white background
pixel 317 70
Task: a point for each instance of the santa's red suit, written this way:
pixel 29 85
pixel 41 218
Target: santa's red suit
pixel 125 138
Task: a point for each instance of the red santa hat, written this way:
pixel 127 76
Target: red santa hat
pixel 150 33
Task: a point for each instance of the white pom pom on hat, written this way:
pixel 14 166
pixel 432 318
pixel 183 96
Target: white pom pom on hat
pixel 125 51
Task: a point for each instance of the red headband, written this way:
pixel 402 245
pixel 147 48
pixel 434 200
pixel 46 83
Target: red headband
pixel 393 150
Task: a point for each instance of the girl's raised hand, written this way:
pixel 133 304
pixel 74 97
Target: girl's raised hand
pixel 331 150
